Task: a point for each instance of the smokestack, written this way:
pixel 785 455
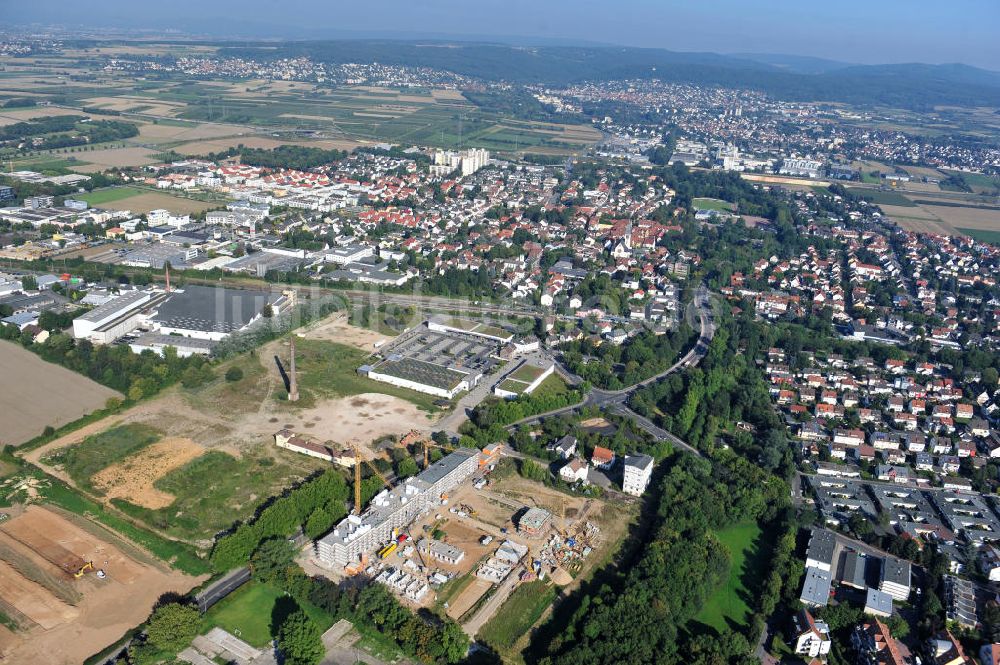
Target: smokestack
pixel 293 384
pixel 167 266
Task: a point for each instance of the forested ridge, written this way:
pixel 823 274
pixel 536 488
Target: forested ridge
pixel 907 86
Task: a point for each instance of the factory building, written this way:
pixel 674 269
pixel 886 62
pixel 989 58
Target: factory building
pixel 357 536
pixel 113 319
pixel 206 312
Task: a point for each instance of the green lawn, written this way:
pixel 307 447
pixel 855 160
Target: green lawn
pixel 247 613
pixel 516 616
pixel 552 386
pixel 102 450
pixel 328 369
pixel 99 196
pixel 983 235
pixel 728 603
pixel 712 204
pixel 526 373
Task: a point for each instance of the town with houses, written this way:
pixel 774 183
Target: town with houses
pixel 714 239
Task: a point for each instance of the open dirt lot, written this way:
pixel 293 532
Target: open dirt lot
pixel 132 479
pixel 465 600
pixel 336 329
pixel 31 601
pixel 62 634
pixel 53 395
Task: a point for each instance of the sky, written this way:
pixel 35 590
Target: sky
pixel 861 31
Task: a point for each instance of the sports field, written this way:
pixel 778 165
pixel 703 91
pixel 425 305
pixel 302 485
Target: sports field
pixel 141 200
pixel 717 205
pixel 101 196
pixel 729 602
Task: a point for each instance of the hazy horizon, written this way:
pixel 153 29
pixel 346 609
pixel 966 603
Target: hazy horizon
pixel 853 31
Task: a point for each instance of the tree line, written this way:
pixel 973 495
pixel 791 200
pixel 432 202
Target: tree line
pixel 137 375
pixel 296 157
pixel 641 616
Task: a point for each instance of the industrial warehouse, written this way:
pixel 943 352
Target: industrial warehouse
pixel 195 317
pixel 442 356
pixel 357 536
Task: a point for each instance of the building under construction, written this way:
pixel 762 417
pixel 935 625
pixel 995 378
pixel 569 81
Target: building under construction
pixel 358 536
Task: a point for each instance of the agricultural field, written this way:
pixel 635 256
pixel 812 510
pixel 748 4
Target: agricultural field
pixel 729 603
pixel 992 237
pixel 60 618
pixel 173 112
pixel 53 397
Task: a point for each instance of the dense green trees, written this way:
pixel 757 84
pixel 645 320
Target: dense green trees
pixel 614 367
pixel 282 157
pixel 137 375
pixel 172 627
pixel 317 504
pixel 427 637
pixel 721 397
pixel 299 640
pixel 639 618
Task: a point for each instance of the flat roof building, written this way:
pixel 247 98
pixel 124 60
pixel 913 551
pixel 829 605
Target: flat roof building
pixel 212 313
pixel 878 603
pixel 638 471
pixel 895 578
pixel 440 550
pixel 822 544
pixel 533 522
pixel 113 319
pixel 816 587
pixel 357 536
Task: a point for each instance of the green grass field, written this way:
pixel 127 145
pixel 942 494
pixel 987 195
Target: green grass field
pixel 99 196
pixel 327 369
pixel 553 385
pixel 516 616
pixel 983 235
pixel 882 198
pixel 728 603
pixel 712 204
pixel 248 612
pixel 102 450
pixel 230 488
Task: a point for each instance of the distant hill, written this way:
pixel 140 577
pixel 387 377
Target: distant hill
pixel 797 64
pixel 915 86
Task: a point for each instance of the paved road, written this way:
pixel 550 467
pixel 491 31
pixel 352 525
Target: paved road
pixel 222 587
pixel 451 422
pixel 617 399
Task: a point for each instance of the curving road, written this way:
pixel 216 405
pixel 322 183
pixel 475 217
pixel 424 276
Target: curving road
pixel 617 400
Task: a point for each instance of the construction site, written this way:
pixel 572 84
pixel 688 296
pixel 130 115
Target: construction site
pixel 447 538
pixel 69 591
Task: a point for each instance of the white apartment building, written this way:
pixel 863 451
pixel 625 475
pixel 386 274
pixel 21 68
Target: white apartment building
pixel 638 471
